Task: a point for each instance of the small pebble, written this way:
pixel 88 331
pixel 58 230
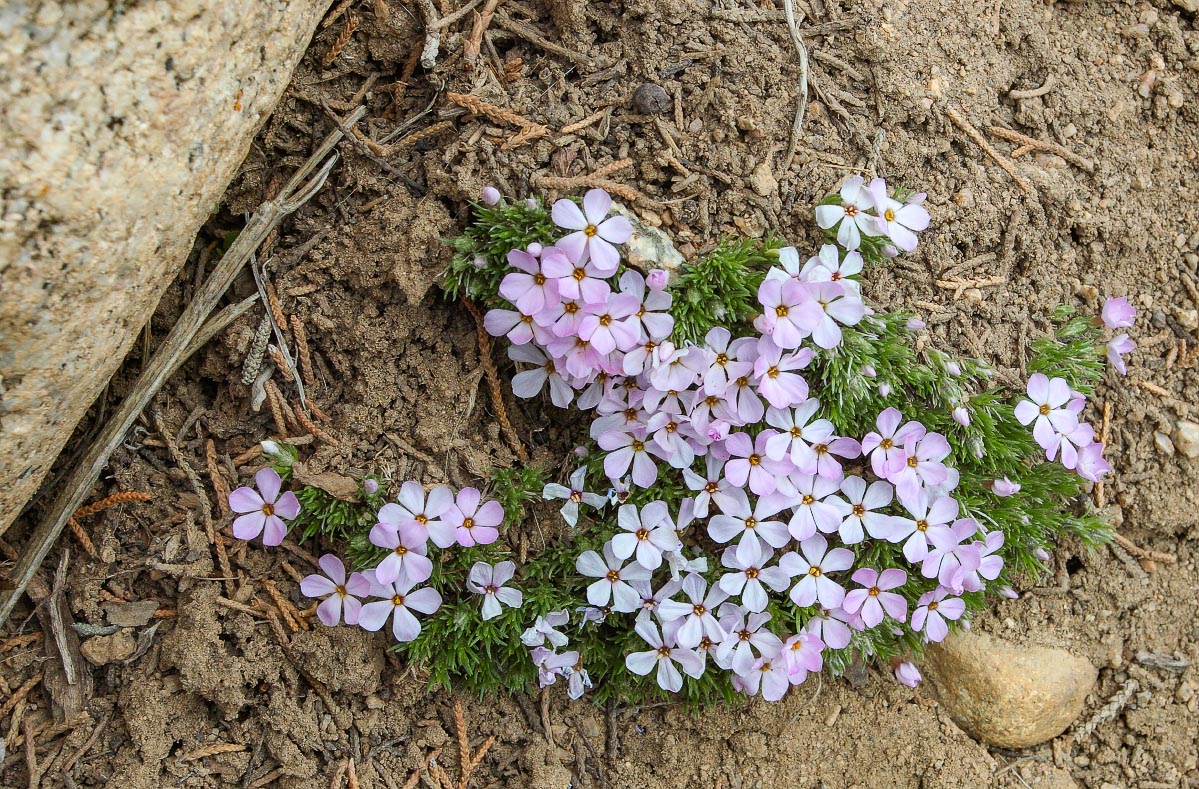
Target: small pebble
pixel 1186 438
pixel 1163 444
pixel 650 99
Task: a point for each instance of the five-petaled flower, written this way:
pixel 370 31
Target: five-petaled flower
pixel 263 510
pixel 341 594
pixel 489 581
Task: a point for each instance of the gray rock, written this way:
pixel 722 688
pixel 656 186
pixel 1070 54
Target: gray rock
pixel 122 125
pixel 1186 438
pixel 1004 694
pixel 649 247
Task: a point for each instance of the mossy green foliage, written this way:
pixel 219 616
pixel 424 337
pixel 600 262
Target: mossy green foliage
pixel 877 366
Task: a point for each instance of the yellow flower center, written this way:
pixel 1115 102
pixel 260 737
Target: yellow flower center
pixel 612 576
pixel 814 572
pixel 913 462
pixel 751 573
pixel 1045 409
pixel 268 510
pixel 886 443
pixel 797 432
pixel 590 231
pixel 755 460
pixel 468 523
pixel 576 496
pixel 539 278
pixel 722 359
pixel 341 591
pixel 397 599
pixel 874 590
pixel 851 211
pixel 698 609
pixel 781 310
pixel 579 274
pixel 773 372
pixel 820 449
pixel 643 533
pixel 889 215
pixel 570 308
pixel 932 606
pixel 922 525
pixel 859 510
pixel 605 320
pixel 808 499
pixel 711 487
pixel 664 651
pixel 638 446
pixel 751 522
pixel 421 519
pixel 401 550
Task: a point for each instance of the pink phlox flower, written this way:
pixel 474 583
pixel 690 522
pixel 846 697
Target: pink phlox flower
pixel 1046 404
pixel 829 266
pixel 709 407
pixel 664 656
pixel 728 359
pixel 638 360
pixel 812 513
pixel 828 451
pixel 545 628
pixel 1070 443
pixel 746 405
pixel 657 279
pixel 961 415
pixel 574 357
pixel 932 609
pixel 1116 348
pixel 1118 313
pixel 885 446
pixel 529 383
pixel 578 681
pixel 341 594
pixel 862 502
pixel 751 577
pixel 676 369
pixel 970 566
pixel 946 541
pixel 489 580
pixel 535 282
pixel 413 508
pixel 897 220
pixel 688 622
pixel 811 565
pixel 751 526
pixel 671 433
pixel 651 599
pixel 679 564
pixel 475 523
pixel 594 234
pixel 1005 487
pixel 1077 402
pixel 670 401
pixel 797 432
pixel 399 601
pixel 834 626
pixel 611 325
pixel 713 487
pixel 747 638
pixel 262 511
pixel 519 328
pixel 921 465
pixel 908 674
pixel 789 313
pixel 927 513
pixel 801 654
pixel 592 394
pixel 837 305
pixel 789 261
pixel 630 419
pixel 653 307
pixel 851 215
pixel 1091 464
pixel 551 665
pixel 774 370
pixel 646 533
pixel 630 448
pixel 769 675
pixel 582 282
pixel 875 598
pixel 575 495
pixel 561 317
pixel 407 543
pixel 614 578
pixel 748 463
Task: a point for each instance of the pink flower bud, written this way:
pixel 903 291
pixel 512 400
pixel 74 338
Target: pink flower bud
pixel 718 430
pixel 908 674
pixel 961 416
pixel 491 195
pixel 480 262
pixel 531 204
pixel 953 368
pixel 1004 487
pixel 534 249
pixel 868 371
pixel 1041 554
pixel 580 452
pixel 1009 593
pixel 370 486
pixel 914 324
pixel 884 389
pixel 657 279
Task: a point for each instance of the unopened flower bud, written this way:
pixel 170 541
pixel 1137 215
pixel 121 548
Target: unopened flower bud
pixel 961 416
pixel 954 368
pixel 534 249
pixel 1041 554
pixel 657 279
pixel 884 389
pixel 491 195
pixel 1004 487
pixel 531 204
pixel 914 324
pixel 718 430
pixel 580 452
pixel 869 371
pixel 1009 593
pixel 270 447
pixel 480 262
pixel 370 486
pixel 908 674
pixel 890 251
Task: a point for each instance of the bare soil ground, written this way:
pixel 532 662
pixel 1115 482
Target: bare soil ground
pixel 398 375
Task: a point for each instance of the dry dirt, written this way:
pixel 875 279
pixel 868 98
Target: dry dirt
pixel 397 373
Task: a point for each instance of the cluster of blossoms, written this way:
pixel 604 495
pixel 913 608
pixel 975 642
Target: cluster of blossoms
pixel 784 503
pixel 404 529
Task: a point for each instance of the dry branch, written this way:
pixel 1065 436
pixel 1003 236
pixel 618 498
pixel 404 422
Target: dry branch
pixel 976 136
pixel 1032 143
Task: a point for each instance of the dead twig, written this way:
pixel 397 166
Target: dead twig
pixel 216 749
pixel 797 123
pixel 477 106
pixel 191 330
pixel 976 136
pixel 219 486
pixel 533 37
pixel 19 694
pixel 481 21
pixel 493 382
pixel 1032 143
pixel 1109 711
pixel 1032 93
pixel 450 19
pixel 1143 553
pixel 111 501
pixel 428 53
pixel 959 286
pixel 342 39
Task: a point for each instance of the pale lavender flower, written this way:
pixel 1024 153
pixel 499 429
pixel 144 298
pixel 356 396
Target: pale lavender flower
pixel 574 495
pixel 774 370
pixel 812 512
pixel 664 656
pixel 746 635
pixel 836 306
pixel 962 416
pixel 535 282
pixel 1046 404
pixel 583 283
pixel 801 654
pixel 788 312
pixel 851 215
pixel 651 600
pixel 746 405
pixel 753 526
pixel 914 324
pixel 646 533
pixel 399 601
pixel 560 318
pixel 789 260
pixel 827 453
pixel 672 433
pixel 974 564
pixel 927 513
pixel 551 665
pixel 529 383
pixel 611 325
pixel 811 565
pixel 545 628
pixel 885 446
pixel 657 279
pixel 576 356
pixel 689 622
pixel 768 674
pixel 908 674
pixel 342 593
pixel 726 362
pixel 1091 464
pixel 875 598
pixel 750 575
pixel 653 312
pixel 1005 487
pixel 408 551
pixel 676 369
pixel 1070 443
pixel 412 508
pixel 613 584
pixel 932 609
pixel 709 408
pixel 1116 348
pixel 370 486
pixel 491 195
pixel 577 681
pixel 797 432
pixel 474 522
pixel 1118 313
pixel 897 220
pixel 261 511
pixel 630 447
pixel 862 501
pixel 946 541
pixel 829 266
pixel 834 627
pixel 748 463
pixel 711 488
pixel 921 463
pixel 594 234
pixel 489 581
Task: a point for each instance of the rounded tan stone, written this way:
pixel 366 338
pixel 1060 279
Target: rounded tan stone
pixel 1009 695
